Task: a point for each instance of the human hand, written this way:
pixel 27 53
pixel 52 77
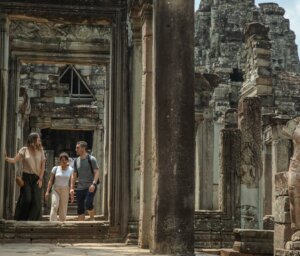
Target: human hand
pixel 72 195
pixel 46 195
pixel 40 183
pixel 92 188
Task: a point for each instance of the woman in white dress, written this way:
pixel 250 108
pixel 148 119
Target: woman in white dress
pixel 59 182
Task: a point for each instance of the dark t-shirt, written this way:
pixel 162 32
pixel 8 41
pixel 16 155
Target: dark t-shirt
pixel 84 173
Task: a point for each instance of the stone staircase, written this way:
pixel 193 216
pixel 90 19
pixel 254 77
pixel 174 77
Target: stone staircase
pixel 57 232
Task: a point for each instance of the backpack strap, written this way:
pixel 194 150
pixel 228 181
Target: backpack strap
pixel 90 163
pixel 92 169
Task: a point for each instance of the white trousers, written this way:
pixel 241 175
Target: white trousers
pixel 59 203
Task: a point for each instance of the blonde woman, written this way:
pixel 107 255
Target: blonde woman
pixel 29 205
pixel 59 182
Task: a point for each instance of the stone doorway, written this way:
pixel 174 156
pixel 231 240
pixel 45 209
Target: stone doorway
pixel 55 142
pixel 43 42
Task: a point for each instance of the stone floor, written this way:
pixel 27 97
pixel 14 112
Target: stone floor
pixel 26 249
pixel 12 249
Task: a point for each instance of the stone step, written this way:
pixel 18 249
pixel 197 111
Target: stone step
pixel 57 232
pixel 74 217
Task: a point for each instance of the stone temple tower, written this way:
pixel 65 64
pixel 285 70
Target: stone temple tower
pixel 233 65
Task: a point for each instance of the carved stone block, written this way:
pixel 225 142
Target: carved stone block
pixel 281 184
pixel 282 234
pixel 253 241
pixel 282 209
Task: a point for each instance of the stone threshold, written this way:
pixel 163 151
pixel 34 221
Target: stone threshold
pixel 70 231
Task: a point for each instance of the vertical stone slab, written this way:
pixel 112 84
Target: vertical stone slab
pixel 173 189
pixel 146 127
pixel 206 159
pixel 282 229
pixel 98 151
pixel 230 158
pixel 118 191
pixel 251 163
pixel 11 139
pixel 4 53
pixel 135 82
pixel 281 151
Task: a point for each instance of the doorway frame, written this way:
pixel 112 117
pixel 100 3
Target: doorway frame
pixel 117 138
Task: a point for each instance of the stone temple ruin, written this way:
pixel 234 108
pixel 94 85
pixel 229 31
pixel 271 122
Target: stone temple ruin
pixel 186 117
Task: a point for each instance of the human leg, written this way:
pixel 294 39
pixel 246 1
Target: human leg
pixel 63 204
pixel 36 202
pixel 80 197
pixel 89 203
pixel 54 205
pixel 23 204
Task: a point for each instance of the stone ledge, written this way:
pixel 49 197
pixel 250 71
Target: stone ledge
pixel 282 252
pixel 254 241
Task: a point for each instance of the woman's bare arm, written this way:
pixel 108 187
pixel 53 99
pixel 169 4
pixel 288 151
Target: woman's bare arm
pixel 13 160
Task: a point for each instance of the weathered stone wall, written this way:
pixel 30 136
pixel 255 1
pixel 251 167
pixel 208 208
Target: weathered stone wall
pixel 284 49
pixel 51 102
pixel 219 35
pixel 214 228
pixel 287 93
pixel 219 46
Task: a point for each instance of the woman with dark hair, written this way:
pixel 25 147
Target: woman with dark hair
pixel 60 183
pixel 32 155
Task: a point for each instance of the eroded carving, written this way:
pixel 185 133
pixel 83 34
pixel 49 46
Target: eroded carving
pixel 40 32
pixel 292 130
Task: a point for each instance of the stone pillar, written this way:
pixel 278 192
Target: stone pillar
pixel 4 53
pixel 205 158
pixel 198 158
pixel 135 81
pixel 230 163
pixel 173 179
pixel 146 128
pixel 258 70
pixel 98 153
pixel 118 176
pixel 11 140
pixel 251 163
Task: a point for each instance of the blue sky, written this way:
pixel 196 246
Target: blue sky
pixel 292 12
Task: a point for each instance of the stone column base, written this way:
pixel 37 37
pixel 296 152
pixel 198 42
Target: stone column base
pixel 283 252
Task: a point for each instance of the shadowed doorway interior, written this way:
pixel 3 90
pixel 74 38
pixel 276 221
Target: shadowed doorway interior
pixel 65 140
pixel 55 142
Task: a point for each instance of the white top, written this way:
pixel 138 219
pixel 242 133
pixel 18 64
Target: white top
pixel 62 177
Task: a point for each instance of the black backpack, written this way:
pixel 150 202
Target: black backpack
pixel 91 167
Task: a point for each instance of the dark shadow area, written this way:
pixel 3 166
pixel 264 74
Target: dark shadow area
pixel 65 140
